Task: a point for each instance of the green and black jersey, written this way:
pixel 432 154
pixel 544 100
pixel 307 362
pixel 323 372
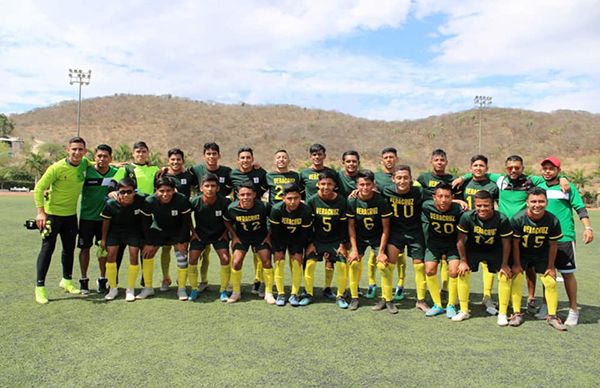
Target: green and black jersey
pixel 368 216
pixel 309 177
pixel 208 219
pixel 406 210
pixel 276 181
pixel 429 182
pixel 383 180
pixel 330 222
pixel 124 219
pixel 222 172
pixel 258 177
pixel 484 237
pixel 439 228
pixel 170 217
pixel 249 224
pixel 184 182
pixel 142 174
pixel 290 227
pixel 535 236
pixel 472 187
pixel 94 192
pixel 347 184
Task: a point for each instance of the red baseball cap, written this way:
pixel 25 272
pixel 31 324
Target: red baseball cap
pixel 552 159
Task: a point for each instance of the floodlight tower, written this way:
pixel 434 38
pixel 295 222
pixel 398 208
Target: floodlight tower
pixel 80 77
pixel 481 102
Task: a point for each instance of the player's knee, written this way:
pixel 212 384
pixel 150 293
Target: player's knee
pixel 181 260
pixel 549 282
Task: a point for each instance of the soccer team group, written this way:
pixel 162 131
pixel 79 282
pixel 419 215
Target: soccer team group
pixel 514 226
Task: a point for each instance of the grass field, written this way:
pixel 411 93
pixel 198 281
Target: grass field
pixel 84 341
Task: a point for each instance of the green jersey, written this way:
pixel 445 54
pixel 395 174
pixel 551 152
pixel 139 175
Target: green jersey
pixel 184 182
pixel 168 217
pixel 309 177
pixel 276 181
pixel 94 193
pixel 124 219
pixel 142 174
pixel 290 227
pixel 249 224
pixel 429 181
pixel 330 222
pixel 562 205
pixel 222 172
pixel 258 177
pixel 347 184
pixel 383 179
pixel 208 219
pixel 484 237
pixel 439 228
pixel 65 182
pixel 368 216
pixel 472 187
pixel 406 210
pixel 535 236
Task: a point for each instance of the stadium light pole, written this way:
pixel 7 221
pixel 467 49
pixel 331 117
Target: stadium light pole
pixel 481 102
pixel 80 77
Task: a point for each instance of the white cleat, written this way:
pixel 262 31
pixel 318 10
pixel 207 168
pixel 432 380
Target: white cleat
pixel 269 298
pixel 182 294
pixel 461 316
pixel 502 320
pixel 146 292
pixel 112 294
pixel 235 297
pixel 129 295
pixel 490 307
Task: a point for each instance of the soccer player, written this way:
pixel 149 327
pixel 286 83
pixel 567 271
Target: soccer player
pixel 166 221
pixel 369 227
pixel 330 234
pixel 348 175
pixel 290 223
pixel 209 208
pixel 246 221
pixel 122 226
pixel 562 205
pixel 535 237
pixel 140 171
pixel 309 177
pixel 483 235
pixel 58 215
pixel 282 176
pixel 440 217
pixel 98 178
pixel 406 201
pixel 389 159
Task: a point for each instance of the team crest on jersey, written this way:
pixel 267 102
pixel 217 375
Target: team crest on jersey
pixel 218 213
pixel 221 179
pixel 256 179
pixel 174 212
pixel 183 181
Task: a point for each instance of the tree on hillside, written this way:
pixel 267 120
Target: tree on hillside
pixel 579 179
pixel 122 153
pixel 36 164
pixel 6 125
pixel 156 158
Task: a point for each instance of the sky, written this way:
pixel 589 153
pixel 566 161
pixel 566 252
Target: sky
pixel 377 59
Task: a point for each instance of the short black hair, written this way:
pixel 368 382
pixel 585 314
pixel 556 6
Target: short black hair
pixel 246 185
pixel 328 174
pixel 140 144
pixel 245 149
pixel 366 174
pixel 280 150
pixel 514 158
pixel 483 194
pixel 291 188
pixel 351 152
pixel 536 191
pixel 104 147
pixel 175 151
pixel 126 182
pixel 439 152
pixel 483 158
pixel 443 186
pixel 316 148
pixel 388 150
pixel 164 181
pixel 76 139
pixel 403 167
pixel 211 146
pixel 210 178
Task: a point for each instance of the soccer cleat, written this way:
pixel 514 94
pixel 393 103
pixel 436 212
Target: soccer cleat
pixel 450 311
pixel 341 303
pixel 379 306
pixel 391 308
pixel 516 319
pixel 490 307
pixel 434 310
pixel 294 302
pixel 280 300
pixel 112 294
pixel 202 286
pixel 398 294
pixel 543 313
pixel 68 286
pixel 572 318
pixel 129 295
pixel 41 296
pixel 255 288
pixel 502 320
pixel 182 294
pixel 194 295
pixel 371 291
pixel 101 284
pixel 531 306
pixel 235 297
pixel 146 292
pixel 261 291
pixel 327 293
pixel 461 316
pixel 353 304
pixel 306 300
pixel 84 286
pixel 164 285
pixel 421 305
pixel 554 321
pixel 269 298
pixel 223 296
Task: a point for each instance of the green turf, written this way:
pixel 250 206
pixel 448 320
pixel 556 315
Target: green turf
pixel 84 341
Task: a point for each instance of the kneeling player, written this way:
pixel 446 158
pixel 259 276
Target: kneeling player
pixel 122 225
pixel 290 221
pixel 246 221
pixel 483 235
pixel 167 221
pixel 209 209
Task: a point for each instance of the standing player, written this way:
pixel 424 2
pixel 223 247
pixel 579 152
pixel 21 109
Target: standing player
pixel 98 178
pixel 58 215
pixel 140 171
pixel 246 221
pixel 281 177
pixel 330 234
pixel 369 227
pixel 440 217
pixel 290 223
pixel 209 208
pixel 484 235
pixel 348 175
pixel 389 159
pixel 536 233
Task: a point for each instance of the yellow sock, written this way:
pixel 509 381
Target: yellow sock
pixel 165 261
pixel 371 266
pixel 111 274
pixel 516 292
pixel 258 269
pixel 452 290
pixel 420 282
pixel 464 283
pixel 353 275
pixel 193 276
pixel 148 271
pixel 341 278
pixel 236 280
pixel 296 276
pixel 488 280
pixel 225 276
pixel 328 277
pixel 359 273
pixel 181 277
pixel 434 289
pixel 387 279
pixel 204 264
pixel 309 276
pixel 551 294
pixel 444 274
pixel 503 293
pixel 401 270
pixel 132 275
pixel 268 277
pixel 280 276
